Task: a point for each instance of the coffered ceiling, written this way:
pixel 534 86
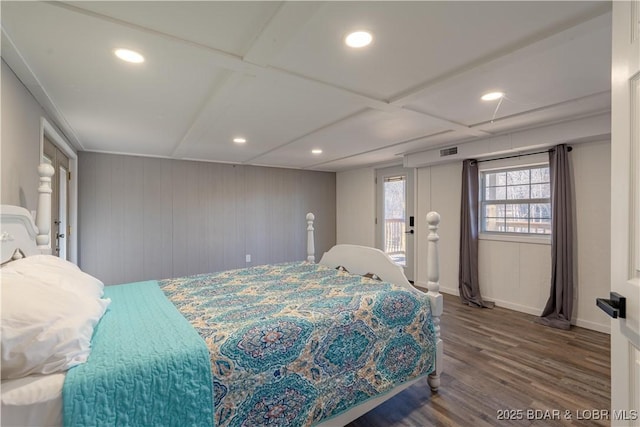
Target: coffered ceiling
pixel 279 75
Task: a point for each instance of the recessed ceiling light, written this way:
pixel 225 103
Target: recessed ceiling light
pixel 358 39
pixel 316 151
pixel 239 140
pixel 129 55
pixel 492 96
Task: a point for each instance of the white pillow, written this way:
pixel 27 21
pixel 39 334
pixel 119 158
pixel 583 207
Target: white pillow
pixel 55 271
pixel 44 329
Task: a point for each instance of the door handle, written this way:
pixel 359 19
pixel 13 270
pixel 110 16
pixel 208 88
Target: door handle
pixel 615 306
pixel 409 232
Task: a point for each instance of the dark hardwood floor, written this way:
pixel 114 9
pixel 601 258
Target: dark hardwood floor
pixel 498 364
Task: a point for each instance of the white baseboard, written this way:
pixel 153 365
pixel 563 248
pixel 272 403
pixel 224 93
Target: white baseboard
pixel 587 324
pixel 443 289
pixel 516 307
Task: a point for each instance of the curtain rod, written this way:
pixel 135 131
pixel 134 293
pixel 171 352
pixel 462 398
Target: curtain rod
pixel 521 155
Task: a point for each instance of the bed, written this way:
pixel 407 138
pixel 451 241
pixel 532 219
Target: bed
pixel 298 343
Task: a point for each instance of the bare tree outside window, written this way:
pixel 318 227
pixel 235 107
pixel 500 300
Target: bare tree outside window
pixel 516 201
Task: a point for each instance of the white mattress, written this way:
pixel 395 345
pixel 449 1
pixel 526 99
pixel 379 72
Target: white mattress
pixel 33 401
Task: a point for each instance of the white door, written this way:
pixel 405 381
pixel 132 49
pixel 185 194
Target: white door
pixel 625 212
pixel 394 218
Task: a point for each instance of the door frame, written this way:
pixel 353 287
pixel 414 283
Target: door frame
pixel 48 130
pixel 60 186
pixel 410 269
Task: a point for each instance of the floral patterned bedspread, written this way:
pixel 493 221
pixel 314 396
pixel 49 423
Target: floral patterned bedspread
pixel 295 344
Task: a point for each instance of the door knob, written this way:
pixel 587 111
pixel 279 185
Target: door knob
pixel 615 306
pixel 409 232
pixel 60 236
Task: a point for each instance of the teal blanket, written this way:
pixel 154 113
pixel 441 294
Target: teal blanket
pixel 148 366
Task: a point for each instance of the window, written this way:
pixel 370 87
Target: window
pixel 516 200
pixel 395 240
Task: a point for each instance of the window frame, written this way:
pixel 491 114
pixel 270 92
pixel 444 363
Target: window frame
pixel 499 166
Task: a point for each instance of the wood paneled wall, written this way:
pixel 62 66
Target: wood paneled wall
pixel 146 218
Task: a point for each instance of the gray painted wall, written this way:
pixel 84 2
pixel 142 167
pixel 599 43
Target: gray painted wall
pixel 146 218
pixel 20 148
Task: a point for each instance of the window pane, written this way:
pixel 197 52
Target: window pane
pixel 518 177
pixel 498 178
pixel 518 211
pixel 540 226
pixel 494 224
pixel 540 191
pixel 515 225
pixel 494 211
pixel 518 192
pixel 495 193
pixel 541 210
pixel 540 175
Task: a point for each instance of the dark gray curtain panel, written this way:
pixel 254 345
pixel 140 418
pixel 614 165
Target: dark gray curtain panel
pixel 468 283
pixel 558 311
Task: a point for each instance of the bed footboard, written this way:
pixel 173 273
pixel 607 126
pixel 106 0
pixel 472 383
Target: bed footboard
pixel 362 260
pixel 43 215
pixel 433 286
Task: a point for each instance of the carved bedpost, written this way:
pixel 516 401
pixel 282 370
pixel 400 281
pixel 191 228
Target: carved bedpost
pixel 433 286
pixel 311 246
pixel 43 215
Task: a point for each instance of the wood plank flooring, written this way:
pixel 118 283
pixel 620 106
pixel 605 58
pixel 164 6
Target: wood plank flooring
pixel 498 362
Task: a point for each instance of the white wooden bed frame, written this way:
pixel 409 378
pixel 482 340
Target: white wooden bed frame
pixel 21 236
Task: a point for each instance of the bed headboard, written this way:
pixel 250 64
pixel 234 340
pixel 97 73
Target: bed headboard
pixel 363 260
pixel 18 231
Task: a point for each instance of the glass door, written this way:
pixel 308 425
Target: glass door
pixel 395 226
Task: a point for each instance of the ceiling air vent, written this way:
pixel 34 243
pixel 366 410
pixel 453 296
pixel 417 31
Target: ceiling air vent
pixel 448 151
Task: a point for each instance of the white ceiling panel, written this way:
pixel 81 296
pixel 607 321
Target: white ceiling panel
pixel 367 131
pixel 269 111
pixel 386 156
pixel 590 105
